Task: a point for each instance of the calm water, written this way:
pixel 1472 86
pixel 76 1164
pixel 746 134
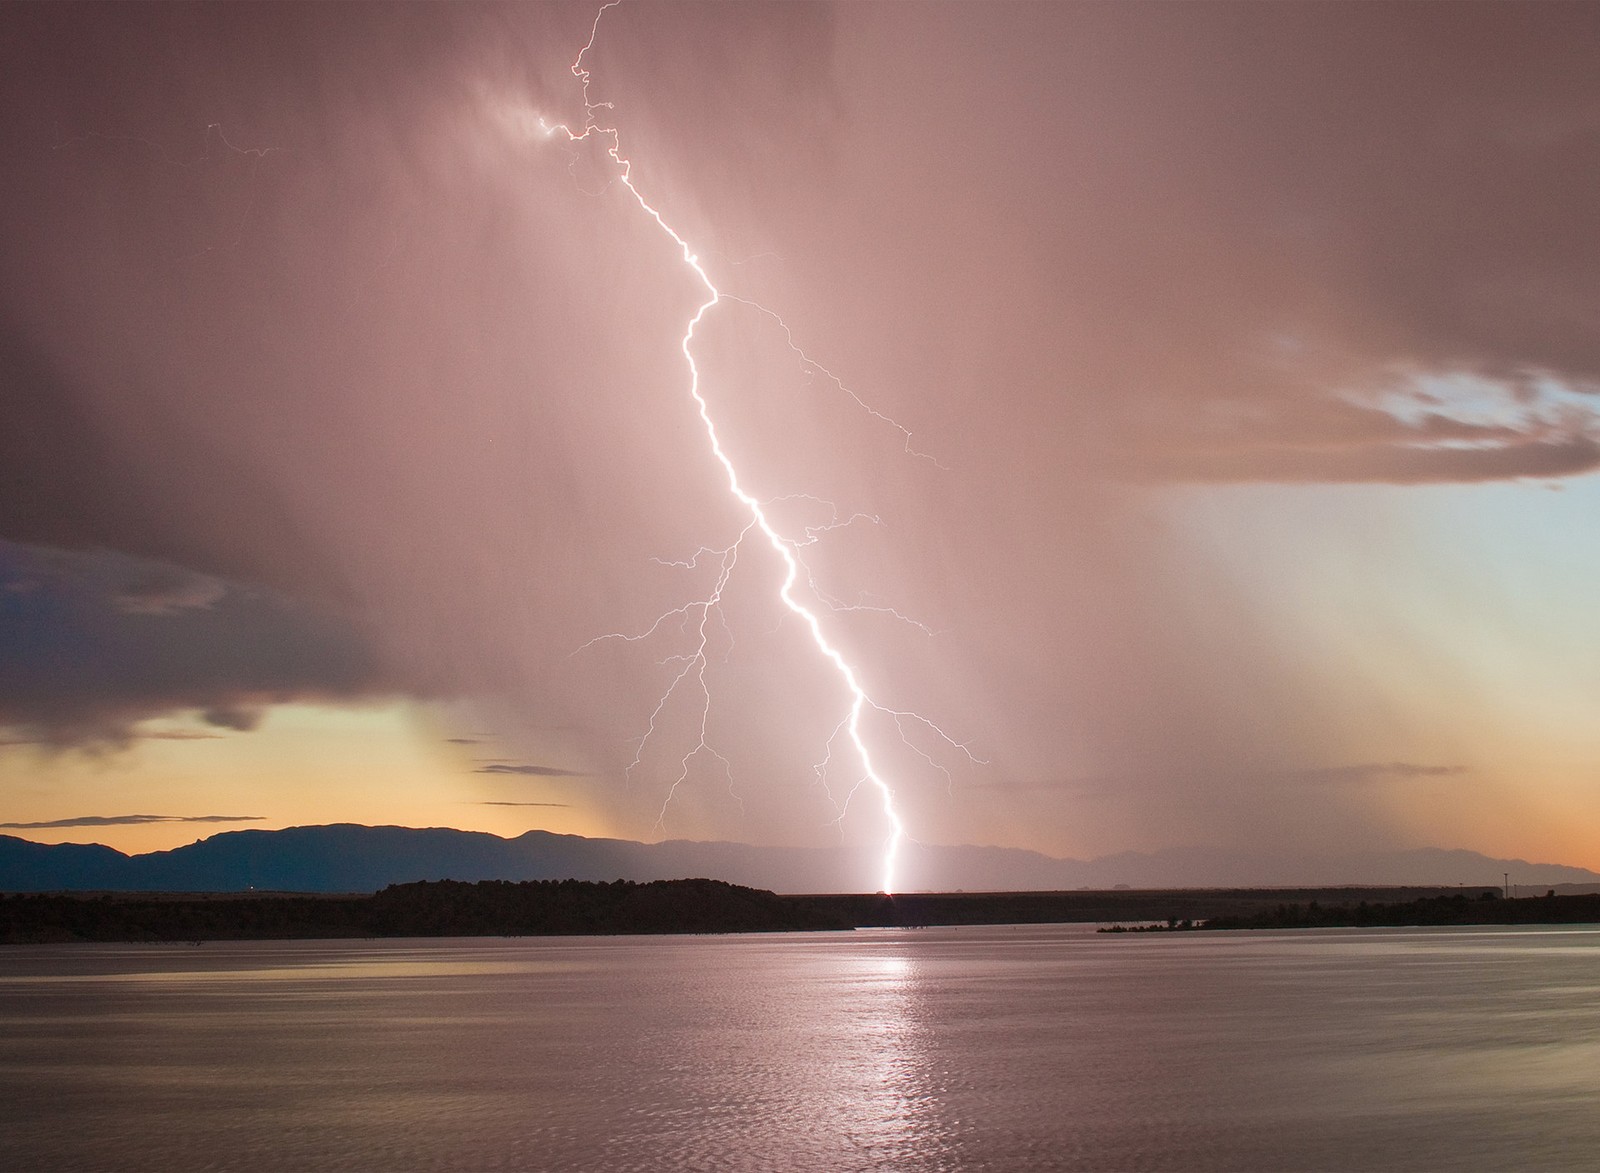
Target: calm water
pixel 987 1048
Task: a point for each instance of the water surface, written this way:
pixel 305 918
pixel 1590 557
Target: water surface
pixel 1037 1047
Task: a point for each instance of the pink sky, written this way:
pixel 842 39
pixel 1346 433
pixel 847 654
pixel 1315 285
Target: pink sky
pixel 1240 349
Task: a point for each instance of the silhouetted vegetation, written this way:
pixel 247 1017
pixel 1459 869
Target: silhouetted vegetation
pixel 448 908
pixel 1172 925
pixel 573 907
pixel 444 908
pixel 1485 908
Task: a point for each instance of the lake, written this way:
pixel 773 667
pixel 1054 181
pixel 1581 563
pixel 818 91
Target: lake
pixel 1033 1047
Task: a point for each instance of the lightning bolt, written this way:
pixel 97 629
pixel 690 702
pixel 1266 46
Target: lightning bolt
pixel 696 616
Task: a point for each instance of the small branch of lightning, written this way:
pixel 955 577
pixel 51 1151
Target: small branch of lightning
pixel 695 617
pixel 812 366
pixel 214 134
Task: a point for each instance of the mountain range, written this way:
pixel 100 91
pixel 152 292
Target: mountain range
pixel 353 858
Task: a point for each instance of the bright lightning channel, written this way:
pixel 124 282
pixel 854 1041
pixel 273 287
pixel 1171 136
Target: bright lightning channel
pixel 781 546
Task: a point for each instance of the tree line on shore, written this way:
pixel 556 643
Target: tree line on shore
pixel 443 908
pixel 448 908
pixel 1456 909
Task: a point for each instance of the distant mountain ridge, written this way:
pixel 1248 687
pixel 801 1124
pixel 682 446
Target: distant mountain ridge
pixel 350 857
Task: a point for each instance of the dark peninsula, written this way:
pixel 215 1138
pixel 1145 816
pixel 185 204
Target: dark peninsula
pixel 1452 909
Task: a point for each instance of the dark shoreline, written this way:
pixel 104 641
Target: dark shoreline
pixel 570 907
pixel 1453 909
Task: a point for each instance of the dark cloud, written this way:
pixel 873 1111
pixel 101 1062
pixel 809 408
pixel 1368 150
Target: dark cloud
pixel 1251 213
pixel 487 803
pixel 241 720
pixel 1377 771
pixel 1394 464
pixel 167 590
pixel 127 735
pixel 1342 440
pixel 527 770
pixel 130 821
pixel 81 668
pixel 1110 785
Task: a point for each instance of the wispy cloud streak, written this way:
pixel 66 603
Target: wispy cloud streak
pixel 129 821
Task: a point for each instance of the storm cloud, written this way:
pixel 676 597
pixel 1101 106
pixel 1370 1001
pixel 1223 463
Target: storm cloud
pixel 325 378
pixel 527 770
pixel 83 668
